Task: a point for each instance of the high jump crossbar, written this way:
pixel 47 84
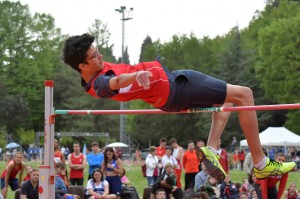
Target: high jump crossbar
pixel 191 110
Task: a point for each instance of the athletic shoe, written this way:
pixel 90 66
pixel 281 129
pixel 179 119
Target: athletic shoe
pixel 211 162
pixel 274 168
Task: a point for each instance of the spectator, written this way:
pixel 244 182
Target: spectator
pixel 168 172
pixel 30 153
pixel 8 176
pixel 212 188
pixel 248 164
pixel 201 195
pixel 233 144
pixel 177 153
pixel 62 173
pixel 160 194
pixel 223 157
pixel 67 152
pixel 268 186
pixel 98 187
pixel 228 189
pixel 60 186
pixel 190 164
pixel 58 156
pixel 253 194
pixel 29 189
pixel 199 144
pixel 166 185
pixel 160 152
pixel 245 188
pixel 168 158
pixel 119 152
pixel 35 152
pixel 77 163
pixel 242 158
pixel 138 155
pixel 291 192
pixel 151 166
pixel 95 158
pixel 112 168
pixel 28 172
pixel 201 178
pixel 243 196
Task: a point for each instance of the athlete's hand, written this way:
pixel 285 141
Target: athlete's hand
pixel 143 79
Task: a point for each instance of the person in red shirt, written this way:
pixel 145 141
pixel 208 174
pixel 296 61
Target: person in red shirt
pixel 242 158
pixel 171 91
pixel 268 186
pixel 28 172
pixel 291 192
pixel 77 163
pixel 12 169
pixel 223 157
pixel 160 152
pixel 190 163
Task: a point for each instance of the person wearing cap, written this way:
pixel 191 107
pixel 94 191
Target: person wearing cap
pixel 95 158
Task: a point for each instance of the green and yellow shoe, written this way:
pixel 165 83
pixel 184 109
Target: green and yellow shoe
pixel 274 168
pixel 211 162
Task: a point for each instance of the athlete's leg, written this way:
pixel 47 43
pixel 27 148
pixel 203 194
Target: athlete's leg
pixel 218 123
pixel 242 96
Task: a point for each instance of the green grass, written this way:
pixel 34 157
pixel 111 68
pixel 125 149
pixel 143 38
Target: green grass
pixel 134 174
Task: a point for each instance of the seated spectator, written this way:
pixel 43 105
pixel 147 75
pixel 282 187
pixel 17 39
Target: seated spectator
pixel 168 171
pixel 98 187
pixel 228 189
pixel 245 187
pixel 60 186
pixel 253 194
pixel 201 195
pixel 212 188
pixel 29 189
pixel 201 178
pixel 291 192
pixel 28 170
pixel 160 194
pixel 168 186
pixel 243 196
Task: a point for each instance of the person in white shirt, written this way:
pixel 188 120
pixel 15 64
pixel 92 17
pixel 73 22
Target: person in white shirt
pixel 151 166
pixel 169 158
pixel 177 154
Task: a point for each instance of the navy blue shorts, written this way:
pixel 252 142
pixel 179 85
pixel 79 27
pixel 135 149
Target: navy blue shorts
pixel 193 89
pixel 13 183
pixel 115 184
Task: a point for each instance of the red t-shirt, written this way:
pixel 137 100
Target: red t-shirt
pixel 76 160
pixel 157 95
pixel 271 181
pixel 160 152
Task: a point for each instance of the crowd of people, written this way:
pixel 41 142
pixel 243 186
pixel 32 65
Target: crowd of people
pixel 165 164
pixel 171 159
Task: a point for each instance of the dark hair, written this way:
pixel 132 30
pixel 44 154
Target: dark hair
pixel 172 140
pixel 190 142
pixel 76 142
pixel 97 170
pixel 109 149
pixel 162 140
pixel 170 181
pixel 75 50
pixel 159 190
pixel 34 170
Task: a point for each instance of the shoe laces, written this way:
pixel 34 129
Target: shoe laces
pixel 273 162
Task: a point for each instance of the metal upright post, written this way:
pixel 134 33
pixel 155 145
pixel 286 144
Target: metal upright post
pixel 46 170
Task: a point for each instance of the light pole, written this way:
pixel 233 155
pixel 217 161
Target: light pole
pixel 124 18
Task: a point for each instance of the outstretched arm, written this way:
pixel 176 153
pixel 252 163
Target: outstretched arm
pixel 124 80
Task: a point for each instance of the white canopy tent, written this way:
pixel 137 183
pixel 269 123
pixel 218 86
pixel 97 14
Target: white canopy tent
pixel 276 136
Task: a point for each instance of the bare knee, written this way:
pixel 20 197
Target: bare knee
pixel 240 95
